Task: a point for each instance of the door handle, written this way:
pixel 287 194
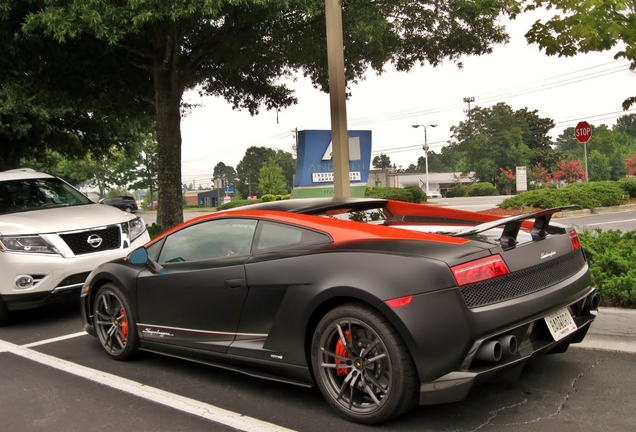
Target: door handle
pixel 235 283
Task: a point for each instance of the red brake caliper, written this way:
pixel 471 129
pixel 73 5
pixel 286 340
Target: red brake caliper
pixel 124 325
pixel 342 352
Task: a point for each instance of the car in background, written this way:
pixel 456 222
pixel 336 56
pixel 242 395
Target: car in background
pixel 382 304
pixel 432 194
pixel 52 236
pixel 123 202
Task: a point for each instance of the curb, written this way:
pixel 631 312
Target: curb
pixel 614 329
pixel 597 210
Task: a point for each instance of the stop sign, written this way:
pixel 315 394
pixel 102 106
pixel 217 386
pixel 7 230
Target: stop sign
pixel 583 132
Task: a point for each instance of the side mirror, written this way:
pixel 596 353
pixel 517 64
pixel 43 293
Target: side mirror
pixel 139 256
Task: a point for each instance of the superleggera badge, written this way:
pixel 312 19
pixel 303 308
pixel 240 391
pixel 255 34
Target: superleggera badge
pixel 159 333
pixel 550 254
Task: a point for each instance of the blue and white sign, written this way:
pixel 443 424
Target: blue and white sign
pixel 314 166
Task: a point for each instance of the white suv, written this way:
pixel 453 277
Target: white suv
pixel 52 236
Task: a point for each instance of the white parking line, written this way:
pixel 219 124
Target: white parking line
pixel 187 405
pixel 56 339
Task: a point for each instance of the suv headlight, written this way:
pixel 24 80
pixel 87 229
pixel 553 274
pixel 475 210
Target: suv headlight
pixel 32 243
pixel 136 227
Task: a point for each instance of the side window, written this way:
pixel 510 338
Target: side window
pixel 273 236
pixel 209 240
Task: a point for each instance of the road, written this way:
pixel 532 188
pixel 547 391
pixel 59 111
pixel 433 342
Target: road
pixel 56 378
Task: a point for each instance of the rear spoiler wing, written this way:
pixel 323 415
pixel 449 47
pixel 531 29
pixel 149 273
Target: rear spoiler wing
pixel 512 224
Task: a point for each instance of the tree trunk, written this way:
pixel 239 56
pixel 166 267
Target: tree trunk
pixel 168 100
pixel 10 155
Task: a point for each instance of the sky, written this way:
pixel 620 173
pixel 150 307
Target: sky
pixel 588 87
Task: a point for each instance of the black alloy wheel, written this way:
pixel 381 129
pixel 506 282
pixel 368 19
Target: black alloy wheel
pixel 114 323
pixel 362 366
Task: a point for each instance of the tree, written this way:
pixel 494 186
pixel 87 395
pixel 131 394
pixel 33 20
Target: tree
pixel 506 180
pixel 248 170
pixel 490 139
pixel 587 26
pixel 630 164
pixel 225 173
pixel 271 179
pixel 570 171
pixel 381 162
pixel 286 161
pixel 241 50
pixel 539 176
pixel 71 107
pixel 598 166
pixel 146 168
pixel 627 124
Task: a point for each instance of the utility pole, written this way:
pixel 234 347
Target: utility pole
pixel 295 146
pixel 468 100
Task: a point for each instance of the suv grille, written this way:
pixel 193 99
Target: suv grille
pixel 79 242
pixel 522 282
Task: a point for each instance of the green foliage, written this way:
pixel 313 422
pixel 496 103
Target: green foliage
pixel 629 186
pixel 398 194
pixel 418 194
pixel 587 26
pixel 481 189
pixel 457 191
pixel 154 230
pixel 611 255
pixel 586 195
pixel 244 51
pixel 381 161
pixel 271 179
pixel 494 138
pixel 237 203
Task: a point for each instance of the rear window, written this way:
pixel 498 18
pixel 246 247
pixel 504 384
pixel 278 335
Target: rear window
pixel 36 194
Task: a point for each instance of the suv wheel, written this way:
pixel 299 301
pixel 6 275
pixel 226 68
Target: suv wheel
pixel 4 313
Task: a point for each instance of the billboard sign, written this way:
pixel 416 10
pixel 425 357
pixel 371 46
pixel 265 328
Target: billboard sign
pixel 314 165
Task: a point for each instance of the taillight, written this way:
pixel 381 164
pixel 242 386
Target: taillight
pixel 479 270
pixel 574 239
pixel 399 302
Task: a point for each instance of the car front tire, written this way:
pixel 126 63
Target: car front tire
pixel 4 313
pixel 114 323
pixel 362 365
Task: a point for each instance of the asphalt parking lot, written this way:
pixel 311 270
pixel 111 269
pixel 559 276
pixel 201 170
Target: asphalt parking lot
pixel 56 378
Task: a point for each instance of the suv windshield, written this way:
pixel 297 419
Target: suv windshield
pixel 34 194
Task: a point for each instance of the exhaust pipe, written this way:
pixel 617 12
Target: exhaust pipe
pixel 592 301
pixel 508 344
pixel 489 351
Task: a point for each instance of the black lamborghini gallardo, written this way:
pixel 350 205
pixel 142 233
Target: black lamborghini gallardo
pixel 382 304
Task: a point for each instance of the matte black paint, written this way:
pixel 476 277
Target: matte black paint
pixel 256 314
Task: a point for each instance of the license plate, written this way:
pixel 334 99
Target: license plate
pixel 560 323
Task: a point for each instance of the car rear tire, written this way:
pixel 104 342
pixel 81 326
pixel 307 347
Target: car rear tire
pixel 128 209
pixel 4 313
pixel 114 323
pixel 371 377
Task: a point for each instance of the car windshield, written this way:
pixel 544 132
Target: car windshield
pixel 35 194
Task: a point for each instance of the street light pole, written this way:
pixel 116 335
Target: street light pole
pixel 425 148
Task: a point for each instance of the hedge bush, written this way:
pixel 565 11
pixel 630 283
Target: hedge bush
pixel 457 191
pixel 409 194
pixel 238 203
pixel 611 255
pixel 482 189
pixel 586 195
pixel 629 186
